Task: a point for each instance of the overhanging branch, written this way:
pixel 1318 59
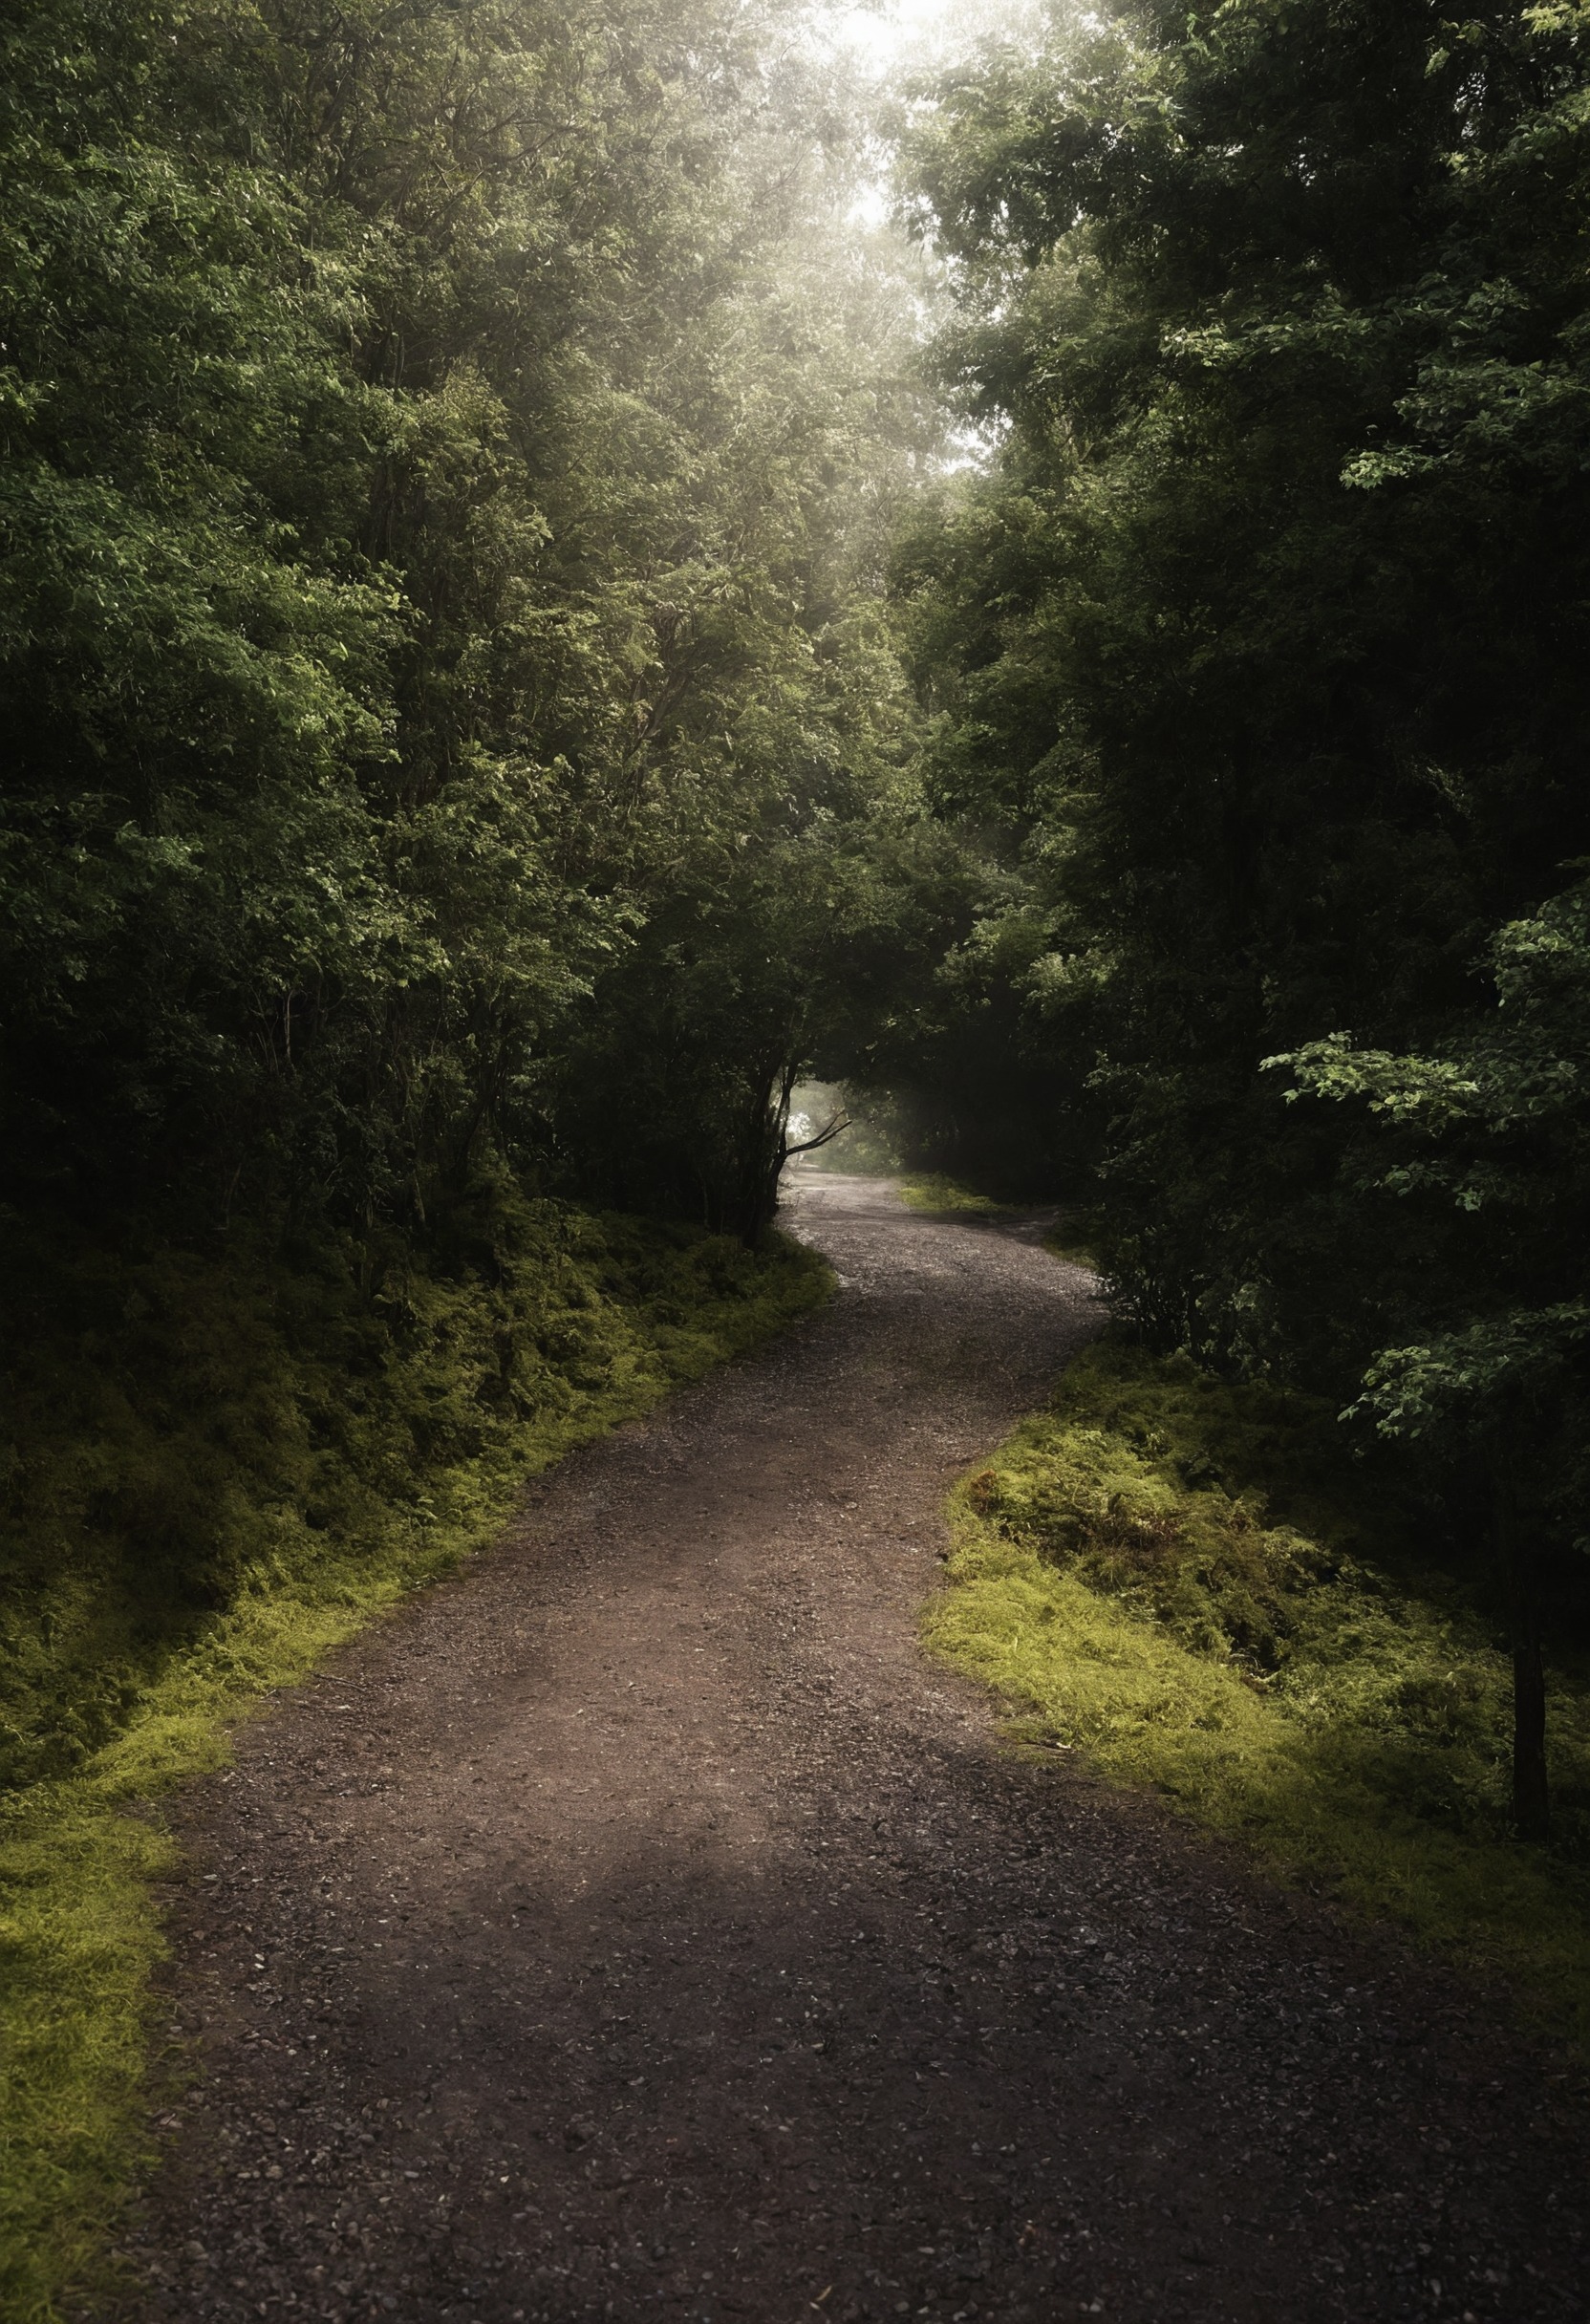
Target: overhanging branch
pixel 806 1145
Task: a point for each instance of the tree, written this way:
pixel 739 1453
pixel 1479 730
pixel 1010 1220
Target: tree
pixel 1490 1138
pixel 438 521
pixel 1263 640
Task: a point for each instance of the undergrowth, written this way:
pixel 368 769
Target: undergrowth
pixel 215 1471
pixel 1187 1581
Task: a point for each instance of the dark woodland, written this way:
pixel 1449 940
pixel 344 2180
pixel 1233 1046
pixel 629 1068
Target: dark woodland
pixel 541 611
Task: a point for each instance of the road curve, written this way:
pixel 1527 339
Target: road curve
pixel 637 1926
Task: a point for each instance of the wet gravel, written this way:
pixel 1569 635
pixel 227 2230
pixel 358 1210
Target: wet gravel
pixel 637 1926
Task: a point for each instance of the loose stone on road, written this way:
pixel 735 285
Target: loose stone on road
pixel 638 1926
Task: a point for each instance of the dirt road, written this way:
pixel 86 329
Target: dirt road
pixel 638 1927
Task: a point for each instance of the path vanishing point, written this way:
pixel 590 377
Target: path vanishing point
pixel 638 1926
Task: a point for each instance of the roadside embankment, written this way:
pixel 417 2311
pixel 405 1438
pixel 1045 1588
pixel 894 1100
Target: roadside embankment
pixel 1182 1580
pixel 218 1468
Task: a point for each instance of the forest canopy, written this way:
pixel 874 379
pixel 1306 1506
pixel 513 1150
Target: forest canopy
pixel 450 459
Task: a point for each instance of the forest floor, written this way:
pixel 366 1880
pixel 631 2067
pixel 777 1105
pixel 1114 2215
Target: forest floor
pixel 638 1926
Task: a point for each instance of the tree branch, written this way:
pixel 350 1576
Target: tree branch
pixel 806 1145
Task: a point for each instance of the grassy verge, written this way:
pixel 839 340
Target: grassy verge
pixel 932 1192
pixel 1175 1577
pixel 217 1472
pixel 1074 1238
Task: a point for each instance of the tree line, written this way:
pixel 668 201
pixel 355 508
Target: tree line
pixel 450 453
pixel 1264 647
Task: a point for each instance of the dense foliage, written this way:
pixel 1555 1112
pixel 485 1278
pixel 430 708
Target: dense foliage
pixel 1266 645
pixel 453 455
pixel 448 459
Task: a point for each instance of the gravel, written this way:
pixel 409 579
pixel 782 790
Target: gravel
pixel 637 1926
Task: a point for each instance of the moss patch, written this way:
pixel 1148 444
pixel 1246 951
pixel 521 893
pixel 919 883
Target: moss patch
pixel 1075 1239
pixel 1185 1581
pixel 216 1472
pixel 933 1193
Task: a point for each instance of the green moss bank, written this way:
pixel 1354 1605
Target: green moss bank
pixel 1192 1584
pixel 215 1471
pixel 931 1191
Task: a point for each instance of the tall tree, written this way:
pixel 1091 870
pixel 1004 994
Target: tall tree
pixel 1266 638
pixel 438 508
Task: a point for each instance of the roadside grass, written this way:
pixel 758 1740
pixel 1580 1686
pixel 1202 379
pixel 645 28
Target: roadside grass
pixel 1074 1237
pixel 218 1472
pixel 1182 1580
pixel 930 1190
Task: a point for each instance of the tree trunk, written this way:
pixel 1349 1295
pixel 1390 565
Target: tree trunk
pixel 761 1157
pixel 1531 1793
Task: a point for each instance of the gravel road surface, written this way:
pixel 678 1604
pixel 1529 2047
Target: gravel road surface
pixel 638 1926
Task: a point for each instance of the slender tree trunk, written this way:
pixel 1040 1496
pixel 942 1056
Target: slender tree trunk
pixel 765 1148
pixel 766 1151
pixel 1531 1793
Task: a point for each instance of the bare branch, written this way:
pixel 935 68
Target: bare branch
pixel 806 1145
